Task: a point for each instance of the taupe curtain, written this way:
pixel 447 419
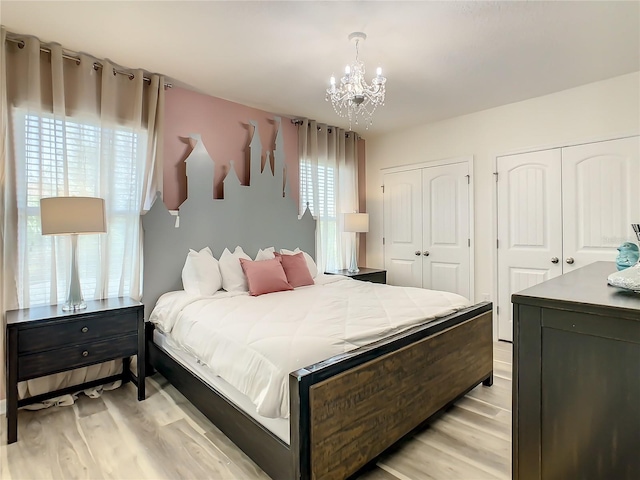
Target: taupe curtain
pixel 329 188
pixel 73 127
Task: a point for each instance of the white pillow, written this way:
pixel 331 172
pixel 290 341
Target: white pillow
pixel 266 254
pixel 233 278
pixel 201 273
pixel 311 265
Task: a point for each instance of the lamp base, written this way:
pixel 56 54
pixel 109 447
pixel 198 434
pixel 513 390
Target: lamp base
pixel 73 307
pixel 353 268
pixel 75 300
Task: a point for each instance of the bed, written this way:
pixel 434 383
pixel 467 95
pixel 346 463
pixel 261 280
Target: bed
pixel 344 410
pixel 357 403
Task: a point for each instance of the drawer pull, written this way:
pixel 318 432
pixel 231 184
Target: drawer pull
pixel 85 353
pixel 85 329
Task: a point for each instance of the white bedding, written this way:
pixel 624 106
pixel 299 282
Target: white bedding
pixel 253 343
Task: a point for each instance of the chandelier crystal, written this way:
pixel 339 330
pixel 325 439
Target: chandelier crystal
pixel 354 98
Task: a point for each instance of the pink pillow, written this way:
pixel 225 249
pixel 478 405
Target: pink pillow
pixel 296 269
pixel 265 276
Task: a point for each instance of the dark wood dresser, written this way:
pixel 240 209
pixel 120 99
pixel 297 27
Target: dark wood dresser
pixel 576 378
pixel 45 340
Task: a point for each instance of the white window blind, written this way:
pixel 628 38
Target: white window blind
pixel 67 157
pixel 326 210
pixel 326 207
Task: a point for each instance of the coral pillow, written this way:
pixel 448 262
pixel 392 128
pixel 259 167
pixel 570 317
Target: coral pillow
pixel 313 268
pixel 296 269
pixel 265 276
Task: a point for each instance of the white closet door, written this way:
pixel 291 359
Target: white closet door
pixel 600 199
pixel 445 237
pixel 529 226
pixel 403 228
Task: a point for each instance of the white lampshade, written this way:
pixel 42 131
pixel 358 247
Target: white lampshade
pixel 356 222
pixel 69 215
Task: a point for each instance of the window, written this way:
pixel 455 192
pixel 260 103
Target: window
pixel 326 191
pixel 326 211
pixel 60 157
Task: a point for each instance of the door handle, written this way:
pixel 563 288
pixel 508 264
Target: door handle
pixel 417 252
pixel 426 253
pixel 570 260
pixel 555 260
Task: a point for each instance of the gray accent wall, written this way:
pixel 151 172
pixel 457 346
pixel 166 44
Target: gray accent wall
pixel 259 215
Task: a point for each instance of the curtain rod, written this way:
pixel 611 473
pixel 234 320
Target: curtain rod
pixel 96 65
pixel 297 122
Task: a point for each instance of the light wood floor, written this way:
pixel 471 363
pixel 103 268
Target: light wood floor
pixel 115 436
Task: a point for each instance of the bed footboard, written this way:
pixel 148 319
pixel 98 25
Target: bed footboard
pixel 353 416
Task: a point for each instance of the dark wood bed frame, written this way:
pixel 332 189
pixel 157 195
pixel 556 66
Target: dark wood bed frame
pixel 348 409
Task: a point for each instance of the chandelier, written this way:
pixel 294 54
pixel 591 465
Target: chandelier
pixel 354 98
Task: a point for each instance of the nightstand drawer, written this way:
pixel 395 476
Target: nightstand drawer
pixel 52 361
pixel 70 332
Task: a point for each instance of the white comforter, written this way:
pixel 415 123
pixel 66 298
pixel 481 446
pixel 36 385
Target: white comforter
pixel 253 343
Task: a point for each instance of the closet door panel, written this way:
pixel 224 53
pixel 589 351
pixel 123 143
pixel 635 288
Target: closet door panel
pixel 445 234
pixel 403 228
pixel 529 226
pixel 600 199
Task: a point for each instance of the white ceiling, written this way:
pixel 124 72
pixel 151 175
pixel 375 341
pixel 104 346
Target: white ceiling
pixel 441 59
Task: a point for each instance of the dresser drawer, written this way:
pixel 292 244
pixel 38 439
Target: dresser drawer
pixel 52 361
pixel 70 332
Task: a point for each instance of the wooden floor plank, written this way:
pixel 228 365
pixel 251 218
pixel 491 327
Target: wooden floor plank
pixel 471 445
pixel 165 436
pixel 480 422
pixel 165 410
pixel 502 370
pixel 115 453
pixel 29 457
pixel 54 447
pixel 88 406
pixel 502 355
pixel 246 466
pixel 498 395
pixel 416 460
pixel 504 346
pixel 145 432
pixel 478 406
pixel 198 458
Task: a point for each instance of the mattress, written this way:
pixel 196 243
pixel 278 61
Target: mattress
pixel 253 343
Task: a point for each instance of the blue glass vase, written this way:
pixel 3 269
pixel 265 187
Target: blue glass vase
pixel 628 255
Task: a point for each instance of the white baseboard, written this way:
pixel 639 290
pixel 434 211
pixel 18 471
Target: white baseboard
pixel 3 407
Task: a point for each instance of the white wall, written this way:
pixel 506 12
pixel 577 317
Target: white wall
pixel 591 112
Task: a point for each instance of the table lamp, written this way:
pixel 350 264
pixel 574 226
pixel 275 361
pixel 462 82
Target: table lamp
pixel 356 223
pixel 73 216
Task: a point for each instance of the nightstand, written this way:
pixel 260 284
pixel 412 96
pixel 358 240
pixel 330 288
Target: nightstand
pixel 45 340
pixel 365 274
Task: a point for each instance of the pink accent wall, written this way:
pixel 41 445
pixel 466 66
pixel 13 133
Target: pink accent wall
pixel 226 134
